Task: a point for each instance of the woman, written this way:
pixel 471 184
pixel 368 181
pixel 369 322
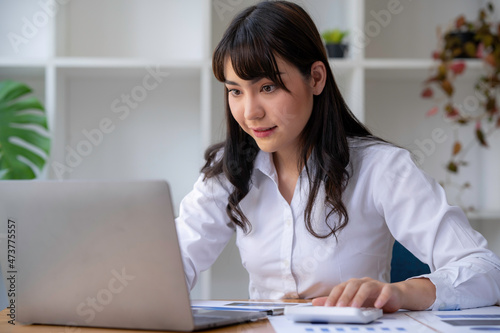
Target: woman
pixel 314 198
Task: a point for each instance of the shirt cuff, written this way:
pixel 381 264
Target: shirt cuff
pixel 446 297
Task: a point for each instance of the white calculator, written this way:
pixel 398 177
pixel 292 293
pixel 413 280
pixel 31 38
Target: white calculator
pixel 332 314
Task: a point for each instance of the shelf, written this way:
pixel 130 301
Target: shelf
pixel 343 63
pixel 398 63
pixel 93 66
pixel 414 69
pixel 124 63
pixel 488 216
pixel 17 62
pixel 21 72
pixel 119 67
pixel 376 68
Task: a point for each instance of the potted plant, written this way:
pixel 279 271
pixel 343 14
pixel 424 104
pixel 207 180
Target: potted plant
pixel 24 140
pixel 333 39
pixel 478 40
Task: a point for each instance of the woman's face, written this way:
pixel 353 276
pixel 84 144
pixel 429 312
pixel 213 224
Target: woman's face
pixel 274 117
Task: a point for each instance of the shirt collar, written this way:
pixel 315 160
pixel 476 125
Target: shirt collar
pixel 263 167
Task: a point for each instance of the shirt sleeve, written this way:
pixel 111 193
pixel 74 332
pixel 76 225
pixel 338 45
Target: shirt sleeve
pixel 203 226
pixel 465 272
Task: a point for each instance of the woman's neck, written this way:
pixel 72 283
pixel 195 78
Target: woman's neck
pixel 286 166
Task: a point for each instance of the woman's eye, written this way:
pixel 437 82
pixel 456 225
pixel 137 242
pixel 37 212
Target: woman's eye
pixel 269 88
pixel 234 92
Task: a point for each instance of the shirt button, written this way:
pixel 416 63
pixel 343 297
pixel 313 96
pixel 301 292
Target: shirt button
pixel 288 222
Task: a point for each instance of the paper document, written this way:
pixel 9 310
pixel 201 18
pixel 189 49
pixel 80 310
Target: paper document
pixel 396 322
pixel 271 308
pixel 470 320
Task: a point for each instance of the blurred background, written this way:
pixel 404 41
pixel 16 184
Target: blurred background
pixel 129 93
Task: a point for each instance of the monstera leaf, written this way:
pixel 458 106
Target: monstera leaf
pixel 24 144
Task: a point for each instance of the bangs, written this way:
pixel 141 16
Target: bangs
pixel 251 54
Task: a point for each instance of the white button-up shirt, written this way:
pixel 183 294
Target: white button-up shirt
pixel 387 197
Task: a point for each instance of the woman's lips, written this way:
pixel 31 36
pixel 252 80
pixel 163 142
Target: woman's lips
pixel 262 132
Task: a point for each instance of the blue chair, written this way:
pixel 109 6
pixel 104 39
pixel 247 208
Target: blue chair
pixel 405 265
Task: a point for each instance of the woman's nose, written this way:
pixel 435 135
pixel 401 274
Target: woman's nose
pixel 253 108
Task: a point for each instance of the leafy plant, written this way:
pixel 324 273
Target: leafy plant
pixel 24 143
pixel 334 36
pixel 467 39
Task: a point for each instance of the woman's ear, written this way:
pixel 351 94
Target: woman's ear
pixel 318 77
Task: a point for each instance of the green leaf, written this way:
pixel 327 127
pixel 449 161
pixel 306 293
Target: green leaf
pixel 36 139
pixel 452 167
pixel 30 128
pixel 334 36
pixel 23 171
pixel 10 90
pixel 470 49
pixel 480 137
pixel 26 104
pixel 34 158
pixel 31 119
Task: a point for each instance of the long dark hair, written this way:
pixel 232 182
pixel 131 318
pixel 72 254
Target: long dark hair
pixel 252 41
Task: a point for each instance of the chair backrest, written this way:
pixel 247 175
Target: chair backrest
pixel 405 265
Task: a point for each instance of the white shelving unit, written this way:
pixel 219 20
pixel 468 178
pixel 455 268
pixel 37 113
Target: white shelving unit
pixel 122 87
pixel 129 90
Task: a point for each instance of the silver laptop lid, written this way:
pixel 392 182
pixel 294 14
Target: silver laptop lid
pixel 94 253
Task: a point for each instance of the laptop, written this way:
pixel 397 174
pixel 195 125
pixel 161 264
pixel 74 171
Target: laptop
pixel 99 254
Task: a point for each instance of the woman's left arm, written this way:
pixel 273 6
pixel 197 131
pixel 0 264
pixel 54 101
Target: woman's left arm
pixel 464 272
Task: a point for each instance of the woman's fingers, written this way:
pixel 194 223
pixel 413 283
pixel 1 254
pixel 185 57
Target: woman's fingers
pixel 335 294
pixel 385 295
pixel 366 294
pixel 319 301
pixel 362 292
pixel 346 296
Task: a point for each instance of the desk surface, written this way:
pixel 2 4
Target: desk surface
pixel 415 321
pixel 261 326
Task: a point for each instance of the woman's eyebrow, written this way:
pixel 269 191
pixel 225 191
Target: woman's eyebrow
pixel 231 83
pixel 255 80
